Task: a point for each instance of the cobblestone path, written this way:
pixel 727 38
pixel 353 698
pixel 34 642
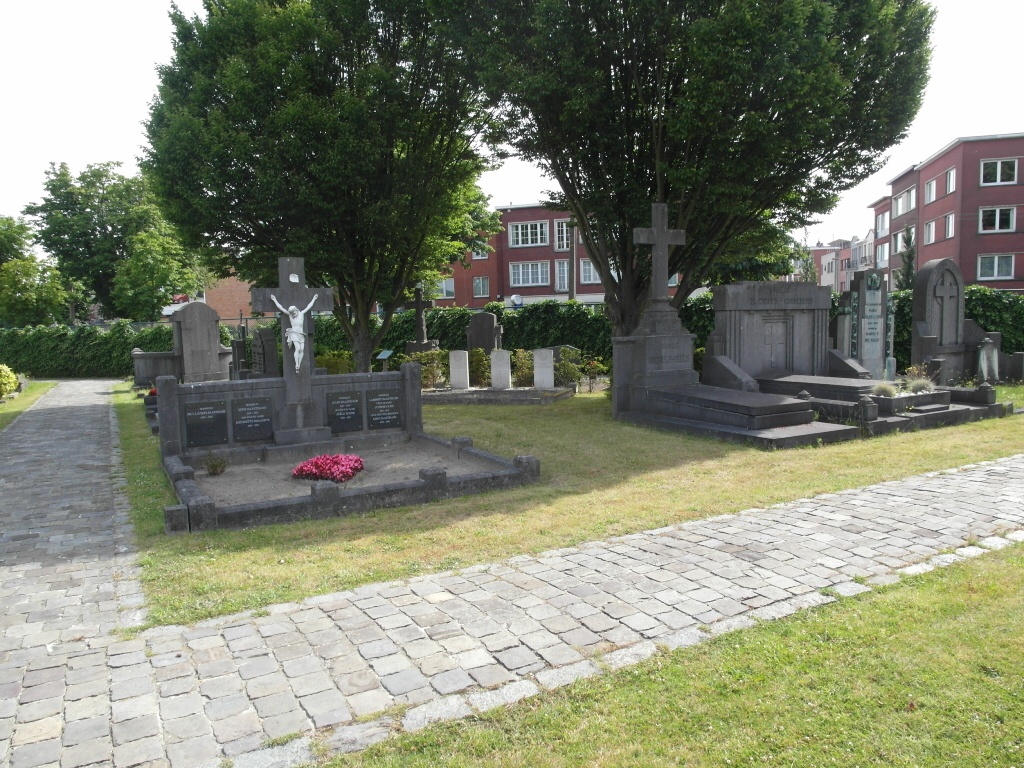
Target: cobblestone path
pixel 443 645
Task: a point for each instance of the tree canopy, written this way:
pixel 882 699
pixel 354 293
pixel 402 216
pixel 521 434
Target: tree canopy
pixel 741 114
pixel 31 293
pixel 15 239
pixel 105 231
pixel 345 132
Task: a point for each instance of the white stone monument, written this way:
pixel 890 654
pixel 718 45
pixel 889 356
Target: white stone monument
pixel 458 362
pixel 544 369
pixel 501 369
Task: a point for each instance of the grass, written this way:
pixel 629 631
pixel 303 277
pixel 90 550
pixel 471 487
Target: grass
pixel 600 478
pixel 925 673
pixel 12 409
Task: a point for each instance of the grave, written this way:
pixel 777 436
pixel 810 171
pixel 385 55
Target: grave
pixel 501 369
pixel 483 332
pixel 422 343
pixel 267 421
pixel 265 362
pixel 864 327
pixel 544 369
pixel 501 391
pixel 196 354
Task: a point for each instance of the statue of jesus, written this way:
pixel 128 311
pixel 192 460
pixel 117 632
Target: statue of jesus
pixel 295 336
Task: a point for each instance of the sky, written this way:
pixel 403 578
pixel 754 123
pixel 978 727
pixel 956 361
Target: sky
pixel 78 77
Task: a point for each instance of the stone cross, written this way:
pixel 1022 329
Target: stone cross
pixel 421 319
pixel 660 237
pixel 293 292
pixel 946 294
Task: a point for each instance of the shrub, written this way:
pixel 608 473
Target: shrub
pixel 919 385
pixel 8 381
pixel 433 367
pixel 592 368
pixel 479 368
pixel 522 368
pixel 338 467
pixel 567 373
pixel 884 389
pixel 336 362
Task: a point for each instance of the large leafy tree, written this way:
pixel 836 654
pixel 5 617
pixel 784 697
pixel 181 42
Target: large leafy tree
pixel 31 293
pixel 15 239
pixel 345 132
pixel 99 225
pixel 740 114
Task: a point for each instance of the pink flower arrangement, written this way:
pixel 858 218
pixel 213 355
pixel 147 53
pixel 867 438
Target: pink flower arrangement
pixel 339 468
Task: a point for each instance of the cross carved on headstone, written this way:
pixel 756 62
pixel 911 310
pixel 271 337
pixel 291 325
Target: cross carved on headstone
pixel 660 237
pixel 420 305
pixel 946 295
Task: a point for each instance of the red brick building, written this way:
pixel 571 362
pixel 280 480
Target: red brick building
pixel 962 203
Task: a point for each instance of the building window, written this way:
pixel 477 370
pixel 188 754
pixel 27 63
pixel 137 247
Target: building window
pixel 526 273
pixel 481 287
pixel 588 275
pixel 899 240
pixel 563 235
pixel 998 172
pixel 996 219
pixel 949 225
pixel 562 276
pixel 996 267
pixel 882 224
pixel 881 254
pixel 951 181
pixel 929 232
pixel 478 255
pixel 446 289
pixel 904 201
pixel 929 192
pixel 527 234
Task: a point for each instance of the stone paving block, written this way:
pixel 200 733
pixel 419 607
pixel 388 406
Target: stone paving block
pixel 135 729
pixel 447 708
pixel 240 746
pixel 507 694
pixel 80 731
pixel 96 706
pixel 355 738
pixel 683 638
pixel 220 687
pixel 138 752
pixel 916 569
pixel 369 702
pixel 236 727
pixel 187 728
pixel 293 721
pixel 193 752
pixel 38 730
pixel 403 682
pixel 625 657
pixel 96 752
pixel 326 708
pixel 453 681
pixel 555 678
pixel 850 588
pixel 37 710
pixel 266 685
pixel 993 542
pixel 491 675
pixel 357 682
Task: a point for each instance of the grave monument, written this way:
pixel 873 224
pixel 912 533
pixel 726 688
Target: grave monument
pixel 483 332
pixel 196 355
pixel 864 329
pixel 422 343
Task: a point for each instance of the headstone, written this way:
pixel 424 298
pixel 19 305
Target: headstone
pixel 197 341
pixel 660 351
pixel 937 331
pixel 567 352
pixel 206 423
pixel 251 418
pixel 988 362
pixel 300 420
pixel 483 332
pixel 264 354
pixel 345 411
pixel 239 364
pixel 458 363
pixel 422 343
pixel 543 369
pixel 501 369
pixel 767 329
pixel 871 322
pixel 384 409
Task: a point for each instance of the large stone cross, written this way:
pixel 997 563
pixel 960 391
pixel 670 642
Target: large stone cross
pixel 946 295
pixel 293 292
pixel 660 237
pixel 420 305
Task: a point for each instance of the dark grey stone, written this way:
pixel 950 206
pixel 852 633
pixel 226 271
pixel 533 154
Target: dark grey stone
pixel 483 332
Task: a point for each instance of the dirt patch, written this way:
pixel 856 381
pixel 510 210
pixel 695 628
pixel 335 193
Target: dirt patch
pixel 247 483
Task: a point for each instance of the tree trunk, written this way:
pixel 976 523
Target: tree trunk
pixel 362 347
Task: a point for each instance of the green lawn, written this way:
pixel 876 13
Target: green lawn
pixel 929 672
pixel 11 409
pixel 600 478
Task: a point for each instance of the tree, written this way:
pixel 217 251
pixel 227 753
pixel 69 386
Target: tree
pixel 31 293
pixel 15 239
pixel 736 113
pixel 343 132
pixel 908 257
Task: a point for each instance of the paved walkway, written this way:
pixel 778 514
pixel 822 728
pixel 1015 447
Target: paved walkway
pixel 444 645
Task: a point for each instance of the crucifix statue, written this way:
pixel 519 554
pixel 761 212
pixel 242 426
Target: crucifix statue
pixel 295 336
pixel 659 237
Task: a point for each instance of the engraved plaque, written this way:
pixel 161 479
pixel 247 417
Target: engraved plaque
pixel 206 423
pixel 345 411
pixel 251 419
pixel 384 407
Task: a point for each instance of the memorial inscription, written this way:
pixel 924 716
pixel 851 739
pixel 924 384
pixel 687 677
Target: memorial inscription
pixel 345 411
pixel 206 423
pixel 384 408
pixel 251 419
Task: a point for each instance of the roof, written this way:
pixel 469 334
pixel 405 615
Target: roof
pixel 952 144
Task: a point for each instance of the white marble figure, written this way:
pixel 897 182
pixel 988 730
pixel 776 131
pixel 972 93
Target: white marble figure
pixel 296 335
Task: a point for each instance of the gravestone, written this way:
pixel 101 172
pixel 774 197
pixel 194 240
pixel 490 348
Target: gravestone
pixel 483 332
pixel 206 423
pixel 660 351
pixel 197 342
pixel 767 329
pixel 458 364
pixel 871 322
pixel 300 420
pixel 264 362
pixel 239 365
pixel 501 369
pixel 252 419
pixel 422 343
pixel 345 411
pixel 543 369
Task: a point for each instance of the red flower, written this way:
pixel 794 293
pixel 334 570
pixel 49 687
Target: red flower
pixel 339 468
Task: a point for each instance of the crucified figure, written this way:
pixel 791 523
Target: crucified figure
pixel 296 335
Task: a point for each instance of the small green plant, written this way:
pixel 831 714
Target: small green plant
pixel 336 362
pixel 884 389
pixel 215 465
pixel 522 368
pixel 432 367
pixel 8 381
pixel 280 741
pixel 479 368
pixel 919 385
pixel 593 367
pixel 567 373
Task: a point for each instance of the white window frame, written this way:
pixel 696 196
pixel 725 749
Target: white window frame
pixel 485 282
pixel 929 232
pixel 561 275
pixel 536 234
pixel 882 223
pixel 929 191
pixel 539 273
pixel 999 171
pixel 996 258
pixel 951 181
pixel 950 226
pixel 998 229
pixel 479 255
pixel 446 289
pixel 882 253
pixel 588 275
pixel 904 202
pixel 563 235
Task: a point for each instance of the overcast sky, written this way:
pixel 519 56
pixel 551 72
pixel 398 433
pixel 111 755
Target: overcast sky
pixel 78 76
